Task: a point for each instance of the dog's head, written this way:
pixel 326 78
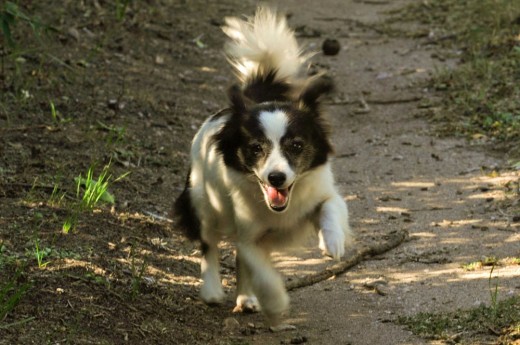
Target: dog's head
pixel 276 142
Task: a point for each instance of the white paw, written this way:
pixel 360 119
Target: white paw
pixel 246 304
pixel 332 243
pixel 211 293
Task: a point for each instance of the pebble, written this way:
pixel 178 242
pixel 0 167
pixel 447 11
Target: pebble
pixel 330 47
pixel 231 324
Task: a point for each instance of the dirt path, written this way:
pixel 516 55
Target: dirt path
pixel 396 176
pixel 130 88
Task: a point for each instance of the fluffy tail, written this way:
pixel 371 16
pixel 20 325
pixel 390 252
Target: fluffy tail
pixel 263 50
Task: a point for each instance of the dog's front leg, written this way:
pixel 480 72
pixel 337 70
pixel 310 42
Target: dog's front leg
pixel 267 285
pixel 246 299
pixel 211 291
pixel 334 227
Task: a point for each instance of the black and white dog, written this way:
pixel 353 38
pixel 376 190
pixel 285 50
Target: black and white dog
pixel 260 171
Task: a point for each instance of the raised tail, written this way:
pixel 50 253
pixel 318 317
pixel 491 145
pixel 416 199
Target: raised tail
pixel 265 55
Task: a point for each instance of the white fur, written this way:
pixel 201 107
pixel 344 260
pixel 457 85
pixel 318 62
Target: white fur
pixel 263 42
pixel 275 125
pixel 230 205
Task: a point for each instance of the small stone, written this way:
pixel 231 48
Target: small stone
pixel 159 60
pixel 231 324
pixel 298 340
pixel 113 104
pixel 330 47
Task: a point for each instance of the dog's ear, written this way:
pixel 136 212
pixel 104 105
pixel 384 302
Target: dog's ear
pixel 312 92
pixel 238 102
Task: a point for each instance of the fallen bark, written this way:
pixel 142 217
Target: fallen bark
pixel 393 240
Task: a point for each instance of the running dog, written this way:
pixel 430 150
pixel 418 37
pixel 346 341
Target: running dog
pixel 260 170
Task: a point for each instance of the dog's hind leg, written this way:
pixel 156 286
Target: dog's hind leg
pixel 211 291
pixel 246 300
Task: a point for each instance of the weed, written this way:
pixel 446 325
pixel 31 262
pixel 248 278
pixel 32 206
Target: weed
pixel 115 134
pixel 11 292
pixel 121 6
pixel 5 258
pixel 95 191
pixel 97 279
pixel 490 261
pixel 41 254
pixel 512 261
pixel 10 14
pixel 70 223
pixel 57 118
pixel 56 197
pixel 467 323
pixel 499 316
pixel 493 291
pixel 472 266
pixel 138 270
pixel 481 94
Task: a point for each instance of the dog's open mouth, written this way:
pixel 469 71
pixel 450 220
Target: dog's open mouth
pixel 277 198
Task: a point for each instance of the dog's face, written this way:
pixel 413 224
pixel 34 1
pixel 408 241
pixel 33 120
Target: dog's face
pixel 275 143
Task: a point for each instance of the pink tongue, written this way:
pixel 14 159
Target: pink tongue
pixel 277 197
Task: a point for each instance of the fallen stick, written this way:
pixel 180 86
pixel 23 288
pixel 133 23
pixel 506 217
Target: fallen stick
pixel 377 101
pixel 394 239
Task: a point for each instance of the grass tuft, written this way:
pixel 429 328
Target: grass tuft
pixel 501 318
pixel 481 95
pixel 11 292
pixel 90 192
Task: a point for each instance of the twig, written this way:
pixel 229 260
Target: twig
pixel 395 239
pixel 394 101
pixel 435 208
pixel 373 2
pixel 378 101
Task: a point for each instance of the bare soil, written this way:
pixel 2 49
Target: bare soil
pixel 133 92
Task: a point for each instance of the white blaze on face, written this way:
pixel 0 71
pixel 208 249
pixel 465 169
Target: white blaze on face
pixel 275 126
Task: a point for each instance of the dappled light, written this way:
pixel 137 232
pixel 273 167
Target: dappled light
pixel 99 101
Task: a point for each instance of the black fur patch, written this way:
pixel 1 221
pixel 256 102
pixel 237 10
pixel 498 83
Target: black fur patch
pixel 313 91
pixel 310 131
pixel 242 141
pixel 184 214
pixel 264 88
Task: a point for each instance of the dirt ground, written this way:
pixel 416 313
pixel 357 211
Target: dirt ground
pixel 133 92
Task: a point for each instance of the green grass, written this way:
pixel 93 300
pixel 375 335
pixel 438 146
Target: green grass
pixel 481 96
pixel 501 319
pixel 11 292
pixel 504 316
pixel 121 7
pixel 90 192
pixel 138 268
pixel 476 265
pixel 10 16
pixel 41 254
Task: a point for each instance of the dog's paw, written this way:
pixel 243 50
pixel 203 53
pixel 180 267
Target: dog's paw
pixel 332 243
pixel 211 294
pixel 247 304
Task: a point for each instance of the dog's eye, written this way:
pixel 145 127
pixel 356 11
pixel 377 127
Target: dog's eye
pixel 296 146
pixel 255 149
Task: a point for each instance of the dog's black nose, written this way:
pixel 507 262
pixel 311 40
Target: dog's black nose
pixel 277 179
